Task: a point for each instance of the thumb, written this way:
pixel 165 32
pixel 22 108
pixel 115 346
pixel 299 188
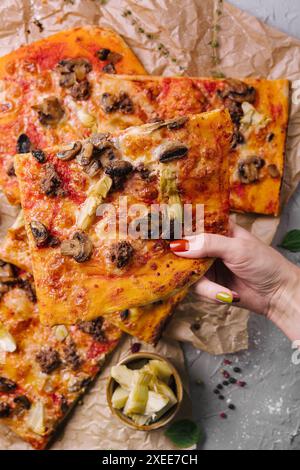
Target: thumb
pixel 212 291
pixel 206 245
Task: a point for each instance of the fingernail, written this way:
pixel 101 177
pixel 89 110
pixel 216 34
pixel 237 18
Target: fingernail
pixel 224 297
pixel 179 246
pixel 236 298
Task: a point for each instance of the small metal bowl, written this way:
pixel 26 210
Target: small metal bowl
pixel 135 361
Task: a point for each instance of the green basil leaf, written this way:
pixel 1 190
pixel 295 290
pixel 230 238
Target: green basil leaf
pixel 184 433
pixel 291 241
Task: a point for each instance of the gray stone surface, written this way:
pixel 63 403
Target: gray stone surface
pixel 267 414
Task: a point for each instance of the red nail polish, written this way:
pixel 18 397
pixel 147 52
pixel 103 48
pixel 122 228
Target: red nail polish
pixel 235 298
pixel 179 246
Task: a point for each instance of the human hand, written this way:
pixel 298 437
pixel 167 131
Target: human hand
pixel 249 274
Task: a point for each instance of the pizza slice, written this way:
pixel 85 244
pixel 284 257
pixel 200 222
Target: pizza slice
pixel 259 110
pixel 147 323
pixel 43 370
pixel 47 91
pixel 81 268
pixel 144 323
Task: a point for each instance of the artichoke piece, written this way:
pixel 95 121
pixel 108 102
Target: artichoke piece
pixel 119 398
pixel 96 194
pixel 36 419
pixel 123 376
pixel 160 369
pixel 140 420
pixel 7 342
pixel 156 403
pixel 61 332
pixel 162 388
pixel 252 118
pixel 138 396
pixel 169 191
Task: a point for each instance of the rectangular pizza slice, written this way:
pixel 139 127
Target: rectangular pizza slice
pixel 144 323
pixel 259 110
pixel 82 267
pixel 47 91
pixel 43 370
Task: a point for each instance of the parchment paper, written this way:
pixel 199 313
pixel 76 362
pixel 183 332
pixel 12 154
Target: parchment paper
pixel 170 37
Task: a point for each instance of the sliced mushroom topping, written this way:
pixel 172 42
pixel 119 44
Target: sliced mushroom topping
pixel 86 155
pixel 11 170
pixel 248 170
pixel 109 68
pixel 81 91
pixel 70 152
pixel 5 410
pixel 119 168
pixel 39 155
pixel 238 91
pixel 23 402
pixel 102 54
pixel 23 144
pixel 171 151
pixel 51 182
pixel 107 156
pixel 121 254
pixel 93 328
pixel 7 385
pixel 273 171
pixel 177 123
pixel 99 139
pixel 50 111
pixel 48 360
pixel 93 169
pixel 71 356
pixel 79 247
pixel 40 233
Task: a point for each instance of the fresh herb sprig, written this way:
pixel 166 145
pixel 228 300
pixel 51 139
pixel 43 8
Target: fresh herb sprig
pixel 184 433
pixel 291 241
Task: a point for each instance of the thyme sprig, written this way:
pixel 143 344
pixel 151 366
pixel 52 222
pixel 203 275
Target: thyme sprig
pixel 160 47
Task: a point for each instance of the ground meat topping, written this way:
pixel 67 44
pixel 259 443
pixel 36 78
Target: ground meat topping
pixel 93 328
pixel 121 254
pixel 48 360
pixel 50 111
pixel 111 103
pixel 51 182
pixel 71 356
pixel 29 289
pixel 5 410
pixel 7 385
pixel 81 91
pixel 119 168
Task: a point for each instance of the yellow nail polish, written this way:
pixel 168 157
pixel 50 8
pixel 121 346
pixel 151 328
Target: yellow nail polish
pixel 224 297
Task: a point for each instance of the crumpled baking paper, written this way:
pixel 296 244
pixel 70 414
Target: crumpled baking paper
pixel 170 37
